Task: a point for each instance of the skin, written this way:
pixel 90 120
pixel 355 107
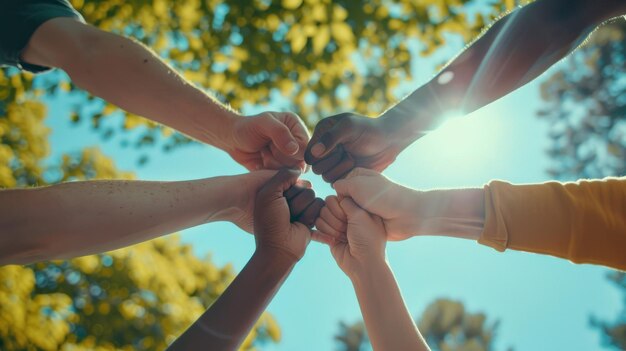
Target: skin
pixel 514 51
pixel 129 75
pixel 81 218
pixel 407 212
pixel 361 256
pixel 280 244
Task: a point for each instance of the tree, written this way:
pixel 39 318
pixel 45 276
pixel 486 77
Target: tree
pixel 138 298
pixel 301 52
pixel 586 109
pixel 614 334
pixel 445 324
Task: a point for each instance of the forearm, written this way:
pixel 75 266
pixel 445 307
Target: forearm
pixel 228 321
pixel 447 212
pixel 80 218
pixel 515 50
pixel 129 75
pixel 388 322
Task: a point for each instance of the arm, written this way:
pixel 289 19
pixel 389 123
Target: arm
pixel 581 221
pixel 280 245
pixel 126 73
pixel 512 52
pixel 362 257
pixel 408 212
pixel 80 218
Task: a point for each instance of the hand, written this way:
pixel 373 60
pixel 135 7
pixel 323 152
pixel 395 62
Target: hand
pixel 304 207
pixel 347 140
pixel 273 229
pixel 395 204
pixel 270 140
pixel 363 242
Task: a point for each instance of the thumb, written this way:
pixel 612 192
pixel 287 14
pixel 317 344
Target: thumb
pixel 279 134
pixel 332 137
pixel 276 186
pixel 350 208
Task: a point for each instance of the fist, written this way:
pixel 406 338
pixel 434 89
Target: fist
pixel 304 207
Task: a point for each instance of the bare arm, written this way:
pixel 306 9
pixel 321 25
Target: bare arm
pixel 512 52
pixel 515 50
pixel 129 75
pixel 359 250
pixel 280 245
pixel 80 218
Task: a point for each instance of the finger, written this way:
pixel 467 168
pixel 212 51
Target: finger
pixel 328 162
pixel 300 202
pixel 327 142
pixel 344 187
pixel 321 128
pixel 311 213
pixel 293 191
pixel 322 238
pixel 276 186
pixel 337 172
pixel 304 183
pixel 332 220
pixel 332 202
pixel 279 134
pixel 352 210
pixel 270 161
pixel 298 129
pixel 326 228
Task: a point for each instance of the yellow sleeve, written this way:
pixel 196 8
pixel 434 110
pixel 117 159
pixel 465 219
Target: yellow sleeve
pixel 583 221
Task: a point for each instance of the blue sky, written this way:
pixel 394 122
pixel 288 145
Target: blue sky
pixel 543 303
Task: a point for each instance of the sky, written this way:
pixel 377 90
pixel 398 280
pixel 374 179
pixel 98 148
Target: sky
pixel 542 303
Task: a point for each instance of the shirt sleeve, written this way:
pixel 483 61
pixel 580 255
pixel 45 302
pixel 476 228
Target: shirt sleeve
pixel 18 22
pixel 584 221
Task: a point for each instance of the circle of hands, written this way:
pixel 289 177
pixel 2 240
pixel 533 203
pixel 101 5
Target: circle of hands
pixel 349 151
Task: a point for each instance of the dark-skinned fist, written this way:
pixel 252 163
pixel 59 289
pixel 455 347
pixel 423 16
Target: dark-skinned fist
pixel 345 141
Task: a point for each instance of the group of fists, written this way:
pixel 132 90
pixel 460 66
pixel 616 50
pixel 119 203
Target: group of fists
pixel 348 151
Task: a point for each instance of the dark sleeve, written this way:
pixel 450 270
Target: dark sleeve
pixel 19 19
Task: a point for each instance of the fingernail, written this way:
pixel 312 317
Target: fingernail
pixel 318 149
pixel 292 147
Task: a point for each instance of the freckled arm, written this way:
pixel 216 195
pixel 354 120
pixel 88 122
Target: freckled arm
pixel 81 218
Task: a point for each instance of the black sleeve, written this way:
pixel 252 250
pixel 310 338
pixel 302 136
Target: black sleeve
pixel 18 21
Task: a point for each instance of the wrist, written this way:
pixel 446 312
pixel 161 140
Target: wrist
pixel 366 270
pixel 450 212
pixel 222 204
pixel 401 127
pixel 216 130
pixel 280 258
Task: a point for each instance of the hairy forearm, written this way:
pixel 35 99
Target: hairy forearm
pixel 81 218
pixel 512 52
pixel 388 322
pixel 228 321
pixel 129 75
pixel 448 212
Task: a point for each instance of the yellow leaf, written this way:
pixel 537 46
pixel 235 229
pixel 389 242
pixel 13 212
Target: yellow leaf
pixel 292 4
pixel 342 32
pixel 321 39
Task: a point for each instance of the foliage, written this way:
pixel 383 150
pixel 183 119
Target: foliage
pixel 138 298
pixel 614 334
pixel 299 52
pixel 586 108
pixel 445 324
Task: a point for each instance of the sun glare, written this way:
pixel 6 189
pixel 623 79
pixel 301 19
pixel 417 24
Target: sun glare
pixel 464 143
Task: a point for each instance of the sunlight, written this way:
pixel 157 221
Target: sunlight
pixel 465 144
